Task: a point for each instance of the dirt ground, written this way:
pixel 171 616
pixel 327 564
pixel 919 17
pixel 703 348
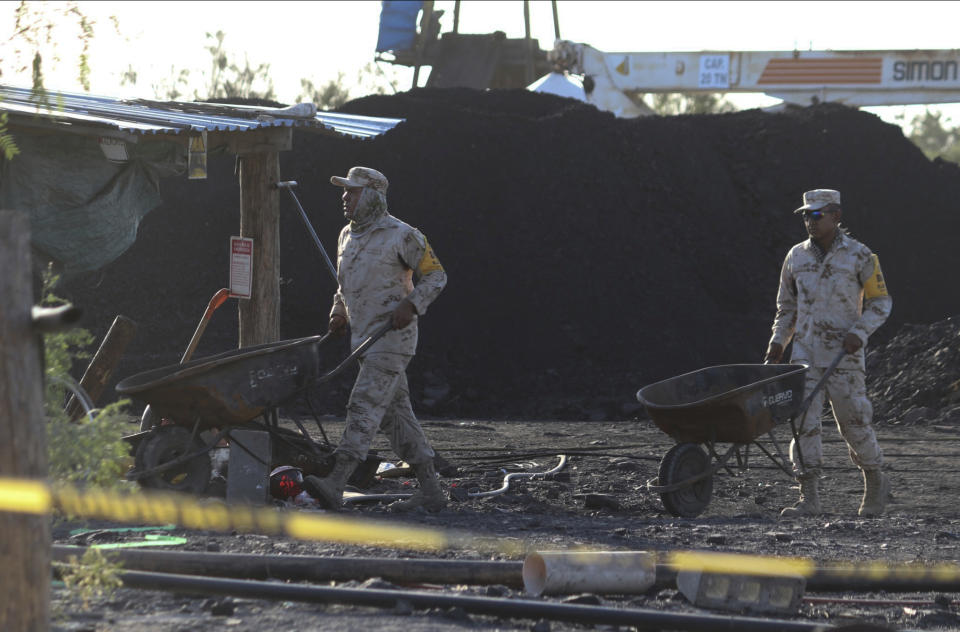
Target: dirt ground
pixel 631 251
pixel 598 500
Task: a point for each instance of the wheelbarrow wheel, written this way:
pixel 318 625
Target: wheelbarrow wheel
pixel 166 444
pixel 682 462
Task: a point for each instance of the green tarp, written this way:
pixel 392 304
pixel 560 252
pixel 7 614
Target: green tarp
pixel 84 209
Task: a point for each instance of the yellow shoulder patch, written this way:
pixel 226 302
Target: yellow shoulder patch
pixel 875 285
pixel 429 262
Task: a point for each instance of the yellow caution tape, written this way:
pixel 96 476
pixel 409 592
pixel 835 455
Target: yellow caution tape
pixel 24 496
pixel 163 508
pixel 151 507
pixel 739 564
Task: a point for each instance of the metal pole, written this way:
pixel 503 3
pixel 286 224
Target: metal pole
pixel 526 22
pixel 556 20
pixel 288 185
pixel 456 16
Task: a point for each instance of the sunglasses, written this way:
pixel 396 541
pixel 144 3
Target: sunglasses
pixel 814 216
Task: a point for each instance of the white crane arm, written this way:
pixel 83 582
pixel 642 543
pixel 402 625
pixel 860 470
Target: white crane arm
pixel 857 78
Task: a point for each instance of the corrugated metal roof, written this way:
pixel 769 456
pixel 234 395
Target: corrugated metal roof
pixel 141 116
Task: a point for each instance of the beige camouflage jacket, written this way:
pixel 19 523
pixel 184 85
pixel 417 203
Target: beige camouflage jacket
pixel 375 272
pixel 823 296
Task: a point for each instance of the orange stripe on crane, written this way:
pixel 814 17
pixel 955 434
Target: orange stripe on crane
pixel 799 71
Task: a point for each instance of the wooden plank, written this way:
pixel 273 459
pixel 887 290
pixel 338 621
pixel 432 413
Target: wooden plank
pixel 260 220
pixel 104 361
pixel 25 543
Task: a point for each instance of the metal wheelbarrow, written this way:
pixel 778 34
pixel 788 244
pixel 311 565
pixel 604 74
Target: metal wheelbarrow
pixel 736 404
pixel 203 400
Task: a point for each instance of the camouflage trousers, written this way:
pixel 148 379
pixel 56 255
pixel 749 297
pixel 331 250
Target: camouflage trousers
pixel 847 393
pixel 380 400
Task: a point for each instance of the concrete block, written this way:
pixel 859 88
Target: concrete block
pixel 755 593
pixel 248 472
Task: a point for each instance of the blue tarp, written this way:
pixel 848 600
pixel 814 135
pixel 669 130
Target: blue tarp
pixel 398 25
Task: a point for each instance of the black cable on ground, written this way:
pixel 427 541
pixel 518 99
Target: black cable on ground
pixel 504 608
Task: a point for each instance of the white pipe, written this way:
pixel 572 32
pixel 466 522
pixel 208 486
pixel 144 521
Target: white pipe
pixel 515 475
pixel 602 572
pixel 494 492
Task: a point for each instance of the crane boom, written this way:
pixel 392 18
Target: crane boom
pixel 856 78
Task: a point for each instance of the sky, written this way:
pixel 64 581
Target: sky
pixel 318 40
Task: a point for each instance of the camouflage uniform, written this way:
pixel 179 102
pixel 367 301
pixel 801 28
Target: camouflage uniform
pixel 376 262
pixel 822 297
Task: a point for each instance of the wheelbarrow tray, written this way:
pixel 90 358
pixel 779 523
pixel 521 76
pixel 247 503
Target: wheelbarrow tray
pixel 230 388
pixel 734 403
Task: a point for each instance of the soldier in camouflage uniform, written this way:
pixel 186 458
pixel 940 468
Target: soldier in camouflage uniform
pixel 832 296
pixel 377 258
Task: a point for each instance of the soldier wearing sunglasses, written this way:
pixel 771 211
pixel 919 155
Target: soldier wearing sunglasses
pixel 832 296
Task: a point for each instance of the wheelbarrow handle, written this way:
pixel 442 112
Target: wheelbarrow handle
pixel 360 350
pixel 823 380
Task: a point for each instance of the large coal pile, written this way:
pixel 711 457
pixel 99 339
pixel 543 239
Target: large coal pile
pixel 915 377
pixel 587 255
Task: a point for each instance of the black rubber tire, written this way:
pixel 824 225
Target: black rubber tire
pixel 682 462
pixel 166 444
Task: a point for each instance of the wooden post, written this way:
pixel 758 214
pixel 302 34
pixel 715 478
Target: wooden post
pixel 456 16
pixel 421 40
pixel 260 220
pixel 24 539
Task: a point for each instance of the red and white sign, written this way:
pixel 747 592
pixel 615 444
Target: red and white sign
pixel 241 267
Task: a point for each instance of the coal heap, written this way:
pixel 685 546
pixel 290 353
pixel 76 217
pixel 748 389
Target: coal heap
pixel 587 255
pixel 913 378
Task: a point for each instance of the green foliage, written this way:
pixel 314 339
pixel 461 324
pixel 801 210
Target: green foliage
pixel 935 137
pixel 37 29
pixel 91 577
pixel 90 451
pixel 228 80
pixel 371 79
pixel 669 103
pixel 8 146
pixel 173 87
pixel 329 96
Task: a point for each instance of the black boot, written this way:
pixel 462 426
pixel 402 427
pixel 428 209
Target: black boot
pixel 329 489
pixel 430 496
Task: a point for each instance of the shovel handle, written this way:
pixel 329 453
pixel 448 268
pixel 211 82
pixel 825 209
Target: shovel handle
pixel 218 299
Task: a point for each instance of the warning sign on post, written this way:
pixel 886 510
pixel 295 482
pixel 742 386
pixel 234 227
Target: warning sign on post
pixel 241 267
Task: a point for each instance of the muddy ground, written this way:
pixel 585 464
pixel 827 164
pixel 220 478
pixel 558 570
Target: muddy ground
pixel 598 500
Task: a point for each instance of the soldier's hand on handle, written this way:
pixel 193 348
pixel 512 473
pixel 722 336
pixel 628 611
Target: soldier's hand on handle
pixel 852 343
pixel 337 325
pixel 403 314
pixel 774 354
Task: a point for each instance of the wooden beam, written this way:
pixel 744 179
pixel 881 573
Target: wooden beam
pixel 255 141
pixel 104 362
pixel 260 220
pixel 25 539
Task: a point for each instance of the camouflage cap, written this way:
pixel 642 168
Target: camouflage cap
pixel 818 198
pixel 362 177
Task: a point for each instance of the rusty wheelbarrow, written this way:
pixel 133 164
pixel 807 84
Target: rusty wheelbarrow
pixel 202 401
pixel 736 404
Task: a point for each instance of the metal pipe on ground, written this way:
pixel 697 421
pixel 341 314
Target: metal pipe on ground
pixel 310 568
pixel 504 608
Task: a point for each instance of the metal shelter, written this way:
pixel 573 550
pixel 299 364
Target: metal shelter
pixel 89 170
